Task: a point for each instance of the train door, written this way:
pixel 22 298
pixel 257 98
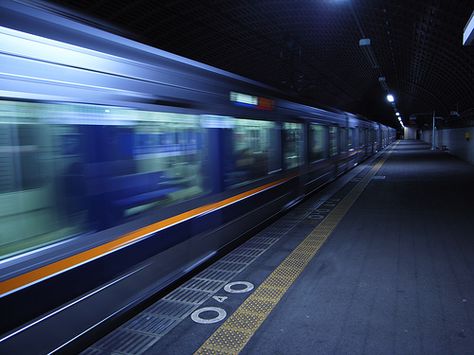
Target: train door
pixel 318 150
pixel 294 157
pixel 372 141
pixel 366 141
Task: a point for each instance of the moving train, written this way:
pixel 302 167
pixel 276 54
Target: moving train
pixel 124 167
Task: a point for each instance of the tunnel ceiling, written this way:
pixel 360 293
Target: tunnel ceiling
pixel 311 48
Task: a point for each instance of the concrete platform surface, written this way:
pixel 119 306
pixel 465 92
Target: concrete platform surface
pixel 396 276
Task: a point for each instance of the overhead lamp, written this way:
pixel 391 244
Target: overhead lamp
pixel 398 114
pixel 390 98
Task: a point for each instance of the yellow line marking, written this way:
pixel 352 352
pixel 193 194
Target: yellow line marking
pixel 232 336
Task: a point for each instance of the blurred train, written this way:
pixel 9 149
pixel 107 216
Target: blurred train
pixel 123 167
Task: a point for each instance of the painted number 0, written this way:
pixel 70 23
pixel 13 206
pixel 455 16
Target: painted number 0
pixel 236 287
pixel 220 314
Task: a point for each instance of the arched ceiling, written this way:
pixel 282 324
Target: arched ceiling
pixel 311 47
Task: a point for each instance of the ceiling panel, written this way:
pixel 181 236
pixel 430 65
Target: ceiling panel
pixel 311 48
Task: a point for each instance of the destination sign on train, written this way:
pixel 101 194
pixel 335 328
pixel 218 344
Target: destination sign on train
pixel 260 103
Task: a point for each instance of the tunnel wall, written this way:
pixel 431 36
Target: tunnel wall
pixel 458 141
pixel 409 133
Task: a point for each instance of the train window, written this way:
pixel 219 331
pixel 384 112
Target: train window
pixel 318 142
pixel 20 164
pixel 255 151
pixel 169 148
pixel 31 209
pixel 69 169
pixel 293 144
pixel 333 141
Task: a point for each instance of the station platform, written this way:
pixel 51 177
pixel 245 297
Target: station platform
pixel 381 261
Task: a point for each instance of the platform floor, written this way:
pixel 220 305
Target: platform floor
pixel 396 275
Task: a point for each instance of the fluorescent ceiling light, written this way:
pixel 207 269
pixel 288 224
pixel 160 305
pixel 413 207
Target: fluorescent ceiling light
pixel 365 46
pixel 383 83
pixel 468 35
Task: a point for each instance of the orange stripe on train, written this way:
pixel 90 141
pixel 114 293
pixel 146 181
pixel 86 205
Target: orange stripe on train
pixel 72 261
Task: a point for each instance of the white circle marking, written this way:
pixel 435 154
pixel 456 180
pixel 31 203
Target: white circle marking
pixel 248 287
pixel 196 315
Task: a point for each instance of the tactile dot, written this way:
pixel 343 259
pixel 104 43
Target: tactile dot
pixel 257 306
pixel 244 322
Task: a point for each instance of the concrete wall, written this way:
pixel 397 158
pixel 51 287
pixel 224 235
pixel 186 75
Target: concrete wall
pixel 454 140
pixel 409 133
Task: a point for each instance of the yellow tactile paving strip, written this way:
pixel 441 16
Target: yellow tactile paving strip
pixel 232 336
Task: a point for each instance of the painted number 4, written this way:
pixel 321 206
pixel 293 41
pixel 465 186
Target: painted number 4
pixel 216 314
pixel 220 299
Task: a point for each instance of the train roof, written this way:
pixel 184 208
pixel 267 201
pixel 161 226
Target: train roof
pixel 56 23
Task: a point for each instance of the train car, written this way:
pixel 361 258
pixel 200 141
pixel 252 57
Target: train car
pixel 124 167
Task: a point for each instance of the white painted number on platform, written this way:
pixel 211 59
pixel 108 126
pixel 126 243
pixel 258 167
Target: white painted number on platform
pixel 220 298
pixel 219 314
pixel 236 287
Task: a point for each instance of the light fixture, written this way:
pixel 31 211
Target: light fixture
pixel 383 83
pixel 365 46
pixel 468 35
pixel 390 98
pixel 398 114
